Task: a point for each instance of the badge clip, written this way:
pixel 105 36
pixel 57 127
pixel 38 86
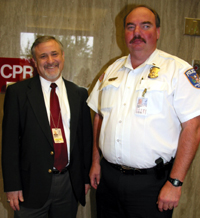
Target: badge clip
pixel 144 92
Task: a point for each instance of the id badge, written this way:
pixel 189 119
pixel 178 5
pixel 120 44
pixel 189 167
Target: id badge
pixel 141 108
pixel 57 135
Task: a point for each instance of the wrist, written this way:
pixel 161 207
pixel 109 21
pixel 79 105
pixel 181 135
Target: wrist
pixel 175 182
pixel 95 163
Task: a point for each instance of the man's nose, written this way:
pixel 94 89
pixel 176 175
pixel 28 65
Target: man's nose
pixel 50 59
pixel 137 30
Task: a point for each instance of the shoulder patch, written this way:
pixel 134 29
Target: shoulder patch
pixel 193 77
pixel 101 77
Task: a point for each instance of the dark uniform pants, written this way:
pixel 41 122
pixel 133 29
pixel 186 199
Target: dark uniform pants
pixel 128 196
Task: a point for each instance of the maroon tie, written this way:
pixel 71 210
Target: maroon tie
pixel 60 148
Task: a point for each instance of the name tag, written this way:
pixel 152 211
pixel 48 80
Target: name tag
pixel 57 135
pixel 141 107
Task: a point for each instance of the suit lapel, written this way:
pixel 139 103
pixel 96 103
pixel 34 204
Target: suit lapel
pixel 36 99
pixel 74 105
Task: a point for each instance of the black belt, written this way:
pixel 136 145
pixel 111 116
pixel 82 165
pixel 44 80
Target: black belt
pixel 55 171
pixel 136 171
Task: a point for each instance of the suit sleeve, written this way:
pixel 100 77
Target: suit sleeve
pixel 87 136
pixel 11 142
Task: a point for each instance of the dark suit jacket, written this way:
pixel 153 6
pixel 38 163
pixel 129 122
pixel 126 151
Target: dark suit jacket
pixel 27 142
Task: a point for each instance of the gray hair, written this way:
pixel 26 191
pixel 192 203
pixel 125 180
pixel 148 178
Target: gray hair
pixel 42 39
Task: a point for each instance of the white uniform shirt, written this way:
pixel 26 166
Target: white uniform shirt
pixel 130 139
pixel 61 92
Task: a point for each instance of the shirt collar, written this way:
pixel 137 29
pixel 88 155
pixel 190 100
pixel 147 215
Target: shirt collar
pixel 46 84
pixel 151 60
pixel 127 63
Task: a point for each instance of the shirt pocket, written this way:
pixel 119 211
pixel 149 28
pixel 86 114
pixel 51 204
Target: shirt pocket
pixel 109 96
pixel 155 94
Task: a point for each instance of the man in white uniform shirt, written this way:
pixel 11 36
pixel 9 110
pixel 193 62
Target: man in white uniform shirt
pixel 147 119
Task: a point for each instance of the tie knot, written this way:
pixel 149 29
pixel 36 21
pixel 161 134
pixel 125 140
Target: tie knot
pixel 53 85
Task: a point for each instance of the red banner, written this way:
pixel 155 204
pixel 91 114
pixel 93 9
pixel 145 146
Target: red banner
pixel 15 69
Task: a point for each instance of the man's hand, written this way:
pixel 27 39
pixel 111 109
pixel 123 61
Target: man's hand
pixel 13 198
pixel 169 197
pixel 87 188
pixel 95 175
pixel 188 144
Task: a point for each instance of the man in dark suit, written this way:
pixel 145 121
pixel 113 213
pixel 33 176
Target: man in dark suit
pixel 33 183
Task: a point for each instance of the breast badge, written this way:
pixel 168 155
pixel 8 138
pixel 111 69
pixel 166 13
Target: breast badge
pixel 154 72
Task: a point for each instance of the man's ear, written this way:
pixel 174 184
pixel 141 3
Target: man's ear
pixel 158 32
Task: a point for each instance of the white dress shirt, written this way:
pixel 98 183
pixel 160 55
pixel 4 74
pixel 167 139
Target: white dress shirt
pixel 61 92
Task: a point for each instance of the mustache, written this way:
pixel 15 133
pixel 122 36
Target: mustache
pixel 137 37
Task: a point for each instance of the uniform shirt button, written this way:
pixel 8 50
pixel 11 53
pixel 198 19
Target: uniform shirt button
pixel 49 170
pixel 51 153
